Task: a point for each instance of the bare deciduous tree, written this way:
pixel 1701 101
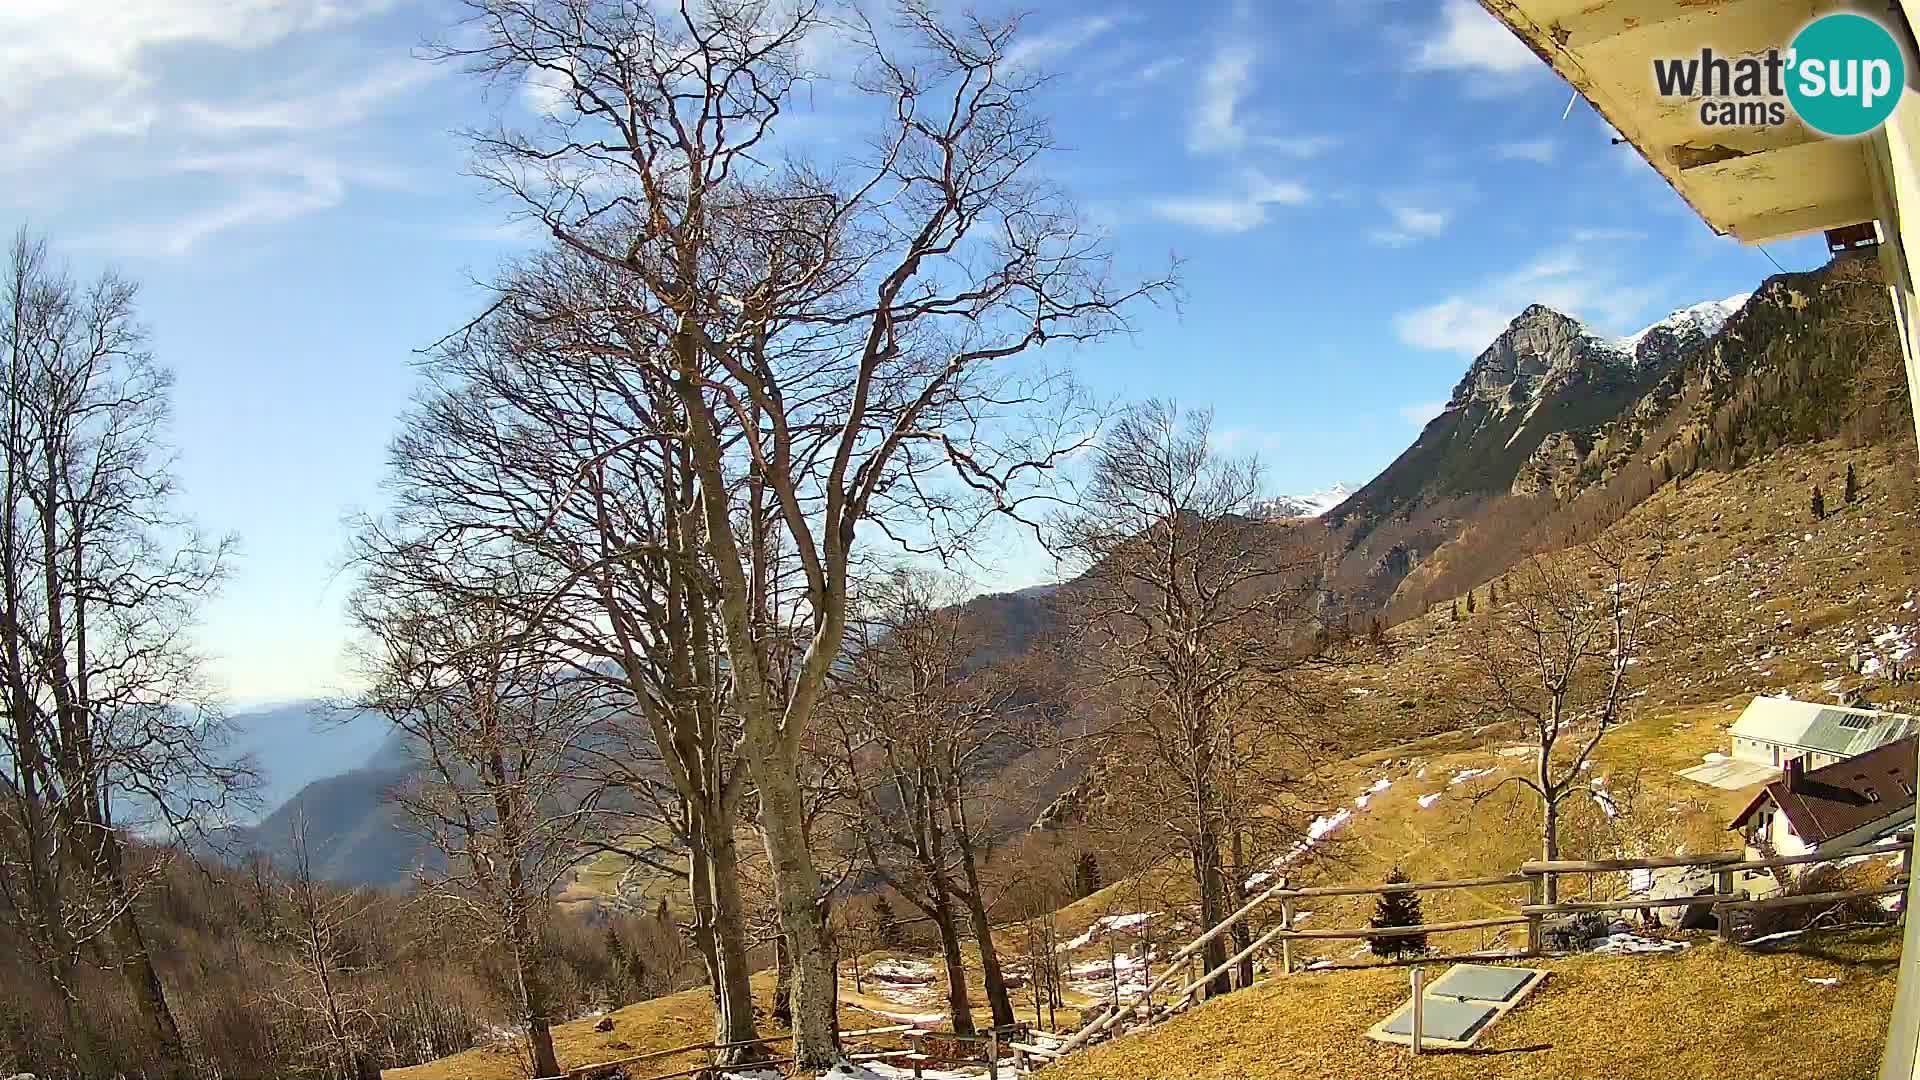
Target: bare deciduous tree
pixel 1194 621
pixel 108 726
pixel 322 985
pixel 494 727
pixel 545 435
pixel 1558 656
pixel 919 719
pixel 839 338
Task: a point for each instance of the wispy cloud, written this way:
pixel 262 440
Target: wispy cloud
pixel 1571 280
pixel 1411 223
pixel 1041 46
pixel 1606 234
pixel 1469 39
pixel 1224 82
pixel 1539 151
pixel 1248 207
pixel 257 186
pixel 96 81
pixel 339 105
pixel 1420 412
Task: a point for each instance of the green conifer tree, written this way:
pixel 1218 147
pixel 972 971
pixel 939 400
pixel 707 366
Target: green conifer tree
pixel 1392 910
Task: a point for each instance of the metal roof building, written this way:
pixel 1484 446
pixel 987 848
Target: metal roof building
pixel 1776 730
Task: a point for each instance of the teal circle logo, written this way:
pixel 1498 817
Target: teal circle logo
pixel 1846 74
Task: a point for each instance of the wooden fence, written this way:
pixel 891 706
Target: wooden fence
pixel 1724 900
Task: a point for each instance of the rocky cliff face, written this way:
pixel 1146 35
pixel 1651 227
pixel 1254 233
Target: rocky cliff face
pixel 1538 352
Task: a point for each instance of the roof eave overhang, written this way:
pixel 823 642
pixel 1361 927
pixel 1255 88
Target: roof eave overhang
pixel 1756 184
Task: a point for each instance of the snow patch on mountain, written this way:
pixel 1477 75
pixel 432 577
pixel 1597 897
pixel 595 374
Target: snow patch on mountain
pixel 1707 317
pixel 1310 505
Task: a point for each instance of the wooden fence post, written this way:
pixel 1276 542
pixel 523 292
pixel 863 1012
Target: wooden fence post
pixel 1419 994
pixel 1536 894
pixel 917 1044
pixel 1723 915
pixel 1286 943
pixel 993 1053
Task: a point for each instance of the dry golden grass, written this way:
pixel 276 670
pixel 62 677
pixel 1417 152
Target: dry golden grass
pixel 660 1024
pixel 1710 1011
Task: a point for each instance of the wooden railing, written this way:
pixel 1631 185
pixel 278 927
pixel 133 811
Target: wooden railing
pixel 1724 900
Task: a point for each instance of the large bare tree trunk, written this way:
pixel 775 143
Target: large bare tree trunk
pixel 1550 846
pixel 733 992
pixel 1236 882
pixel 959 1005
pixel 991 977
pixel 1206 856
pixel 534 1002
pixel 136 967
pixel 796 893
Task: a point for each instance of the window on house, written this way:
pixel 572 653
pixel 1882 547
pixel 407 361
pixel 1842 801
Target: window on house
pixel 1906 787
pixel 1856 721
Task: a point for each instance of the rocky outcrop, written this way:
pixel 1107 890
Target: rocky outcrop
pixel 1539 350
pixel 1554 468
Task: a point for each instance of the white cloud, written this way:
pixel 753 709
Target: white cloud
pixel 1469 39
pixel 109 106
pixel 1223 83
pixel 1033 48
pixel 1565 279
pixel 258 186
pixel 1539 151
pixel 1606 235
pixel 1410 224
pixel 335 106
pixel 547 91
pixel 1420 412
pixel 1235 211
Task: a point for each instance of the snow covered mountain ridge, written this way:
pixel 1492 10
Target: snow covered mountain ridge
pixel 1707 317
pixel 1309 505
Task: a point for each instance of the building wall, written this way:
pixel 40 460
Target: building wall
pixel 1775 755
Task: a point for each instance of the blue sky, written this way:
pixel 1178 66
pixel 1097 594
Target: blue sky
pixel 1363 193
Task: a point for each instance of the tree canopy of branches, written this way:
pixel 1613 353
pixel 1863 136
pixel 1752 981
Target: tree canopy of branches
pixel 108 727
pixel 842 341
pixel 1199 626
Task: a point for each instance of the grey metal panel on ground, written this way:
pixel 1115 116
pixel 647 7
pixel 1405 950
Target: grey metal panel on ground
pixel 1480 982
pixel 1453 1021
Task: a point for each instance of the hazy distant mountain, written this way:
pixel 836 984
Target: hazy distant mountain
pixel 299 742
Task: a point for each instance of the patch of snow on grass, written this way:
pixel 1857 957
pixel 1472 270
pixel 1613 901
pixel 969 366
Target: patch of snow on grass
pixel 1465 775
pixel 905 971
pixel 1107 924
pixel 1634 944
pixel 1429 800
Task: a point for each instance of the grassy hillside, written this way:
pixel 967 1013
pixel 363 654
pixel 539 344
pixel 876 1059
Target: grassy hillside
pixel 1710 1010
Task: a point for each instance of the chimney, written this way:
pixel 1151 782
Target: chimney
pixel 1796 769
